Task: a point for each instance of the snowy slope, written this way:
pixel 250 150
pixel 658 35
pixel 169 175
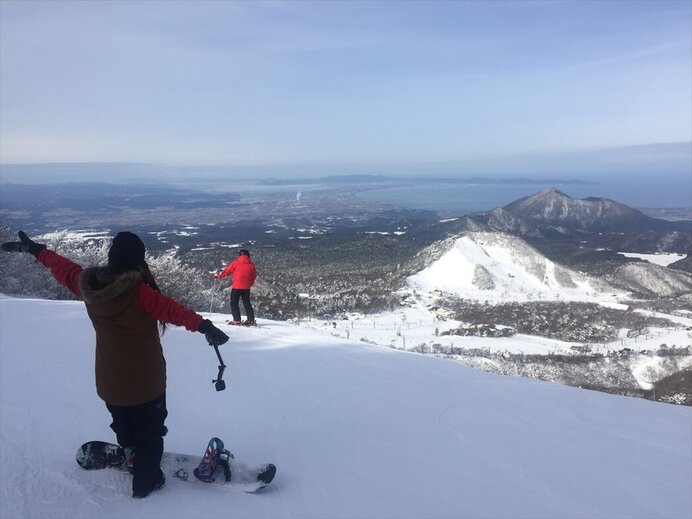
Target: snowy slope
pixel 356 431
pixel 653 279
pixel 495 267
pixel 663 260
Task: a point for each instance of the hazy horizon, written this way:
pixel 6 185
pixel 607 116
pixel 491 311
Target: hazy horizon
pixel 666 160
pixel 644 177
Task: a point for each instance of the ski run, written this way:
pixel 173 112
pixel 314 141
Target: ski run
pixel 356 431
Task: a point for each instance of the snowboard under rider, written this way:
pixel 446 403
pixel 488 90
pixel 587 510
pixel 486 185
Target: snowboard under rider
pixel 244 275
pixel 124 305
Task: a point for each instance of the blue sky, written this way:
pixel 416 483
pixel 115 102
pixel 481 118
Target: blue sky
pixel 365 83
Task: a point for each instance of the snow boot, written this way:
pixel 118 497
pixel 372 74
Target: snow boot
pixel 158 484
pixel 234 323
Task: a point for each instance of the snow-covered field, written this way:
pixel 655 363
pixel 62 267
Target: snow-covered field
pixel 408 327
pixel 658 259
pixel 356 431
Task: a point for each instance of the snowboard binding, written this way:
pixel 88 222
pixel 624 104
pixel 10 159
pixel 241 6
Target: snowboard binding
pixel 215 457
pixel 102 455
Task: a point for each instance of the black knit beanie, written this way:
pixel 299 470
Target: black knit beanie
pixel 127 251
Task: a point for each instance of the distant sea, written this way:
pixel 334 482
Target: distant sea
pixel 658 192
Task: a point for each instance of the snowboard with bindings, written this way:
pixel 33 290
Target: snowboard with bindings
pixel 217 467
pixel 252 324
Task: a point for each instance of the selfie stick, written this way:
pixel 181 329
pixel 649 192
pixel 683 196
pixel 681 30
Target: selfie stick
pixel 219 384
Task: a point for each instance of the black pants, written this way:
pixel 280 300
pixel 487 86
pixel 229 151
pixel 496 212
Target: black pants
pixel 236 295
pixel 141 428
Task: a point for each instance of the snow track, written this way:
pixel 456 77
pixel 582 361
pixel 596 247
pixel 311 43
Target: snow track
pixel 355 431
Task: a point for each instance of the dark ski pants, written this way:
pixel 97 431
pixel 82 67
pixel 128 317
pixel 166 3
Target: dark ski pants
pixel 141 428
pixel 236 295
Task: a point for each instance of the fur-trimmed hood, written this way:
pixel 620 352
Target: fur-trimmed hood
pixel 98 286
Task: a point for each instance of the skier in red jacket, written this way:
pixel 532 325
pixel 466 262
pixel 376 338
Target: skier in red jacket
pixel 244 275
pixel 124 304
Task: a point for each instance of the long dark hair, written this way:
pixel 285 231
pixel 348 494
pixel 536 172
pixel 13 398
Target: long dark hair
pixel 148 278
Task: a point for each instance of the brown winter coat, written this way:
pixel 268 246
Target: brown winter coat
pixel 130 367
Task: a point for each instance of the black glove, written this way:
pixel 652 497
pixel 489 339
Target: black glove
pixel 214 336
pixel 25 245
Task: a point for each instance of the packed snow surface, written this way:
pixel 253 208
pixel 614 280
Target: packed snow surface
pixel 356 431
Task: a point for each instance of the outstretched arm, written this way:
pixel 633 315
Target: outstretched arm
pixel 227 271
pixel 66 272
pixel 163 308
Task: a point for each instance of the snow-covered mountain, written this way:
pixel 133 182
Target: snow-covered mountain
pixel 653 280
pixel 552 207
pixel 493 266
pixel 500 267
pixel 551 213
pixel 355 430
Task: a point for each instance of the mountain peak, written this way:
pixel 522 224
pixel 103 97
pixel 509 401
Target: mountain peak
pixel 550 190
pixel 551 206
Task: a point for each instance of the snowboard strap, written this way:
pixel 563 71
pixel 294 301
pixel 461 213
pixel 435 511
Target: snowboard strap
pixel 129 454
pixel 215 456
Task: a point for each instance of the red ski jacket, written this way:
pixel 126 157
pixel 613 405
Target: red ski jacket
pixel 244 273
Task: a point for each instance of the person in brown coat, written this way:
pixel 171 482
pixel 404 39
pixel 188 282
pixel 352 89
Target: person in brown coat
pixel 128 313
